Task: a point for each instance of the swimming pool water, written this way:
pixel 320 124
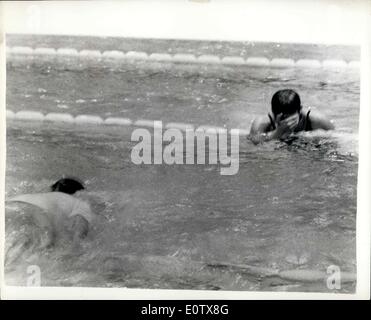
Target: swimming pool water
pixel 288 207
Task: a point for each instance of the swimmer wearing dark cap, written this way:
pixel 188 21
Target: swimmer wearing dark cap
pixel 287 117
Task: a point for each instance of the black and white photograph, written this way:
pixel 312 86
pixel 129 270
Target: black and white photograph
pixel 179 163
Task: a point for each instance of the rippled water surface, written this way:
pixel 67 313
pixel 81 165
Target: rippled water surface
pixel 289 206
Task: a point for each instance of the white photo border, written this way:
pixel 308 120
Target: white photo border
pixel 322 22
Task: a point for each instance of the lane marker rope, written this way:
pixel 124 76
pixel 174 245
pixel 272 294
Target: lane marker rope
pixel 159 57
pixel 86 119
pixel 183 58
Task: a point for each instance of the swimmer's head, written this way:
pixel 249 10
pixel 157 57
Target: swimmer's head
pixel 286 102
pixel 67 185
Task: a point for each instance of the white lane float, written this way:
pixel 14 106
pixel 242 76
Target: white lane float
pixel 257 61
pixel 184 57
pixel 88 119
pixel 233 60
pixel 67 52
pixel 45 51
pixel 113 54
pixel 136 55
pixel 118 121
pixel 21 50
pixel 145 123
pixel 59 117
pixel 90 54
pixel 282 63
pixel 160 57
pixel 308 63
pixel 29 115
pixel 10 114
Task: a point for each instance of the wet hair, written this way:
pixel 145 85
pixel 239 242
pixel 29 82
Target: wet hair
pixel 67 185
pixel 285 101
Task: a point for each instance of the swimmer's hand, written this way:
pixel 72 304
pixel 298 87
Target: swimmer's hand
pixel 285 126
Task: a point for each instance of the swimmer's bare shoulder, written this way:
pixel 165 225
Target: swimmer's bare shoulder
pixel 320 121
pixel 259 131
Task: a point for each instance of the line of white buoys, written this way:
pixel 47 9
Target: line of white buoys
pixel 96 120
pixel 186 58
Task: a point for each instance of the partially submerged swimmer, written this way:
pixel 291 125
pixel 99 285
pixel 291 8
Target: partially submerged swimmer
pixel 57 207
pixel 288 117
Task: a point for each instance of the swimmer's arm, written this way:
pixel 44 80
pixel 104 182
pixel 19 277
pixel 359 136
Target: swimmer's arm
pixel 80 227
pixel 47 229
pixel 258 131
pixel 80 219
pixel 319 121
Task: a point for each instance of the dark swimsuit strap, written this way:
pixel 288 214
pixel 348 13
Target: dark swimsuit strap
pixel 308 124
pixel 272 124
